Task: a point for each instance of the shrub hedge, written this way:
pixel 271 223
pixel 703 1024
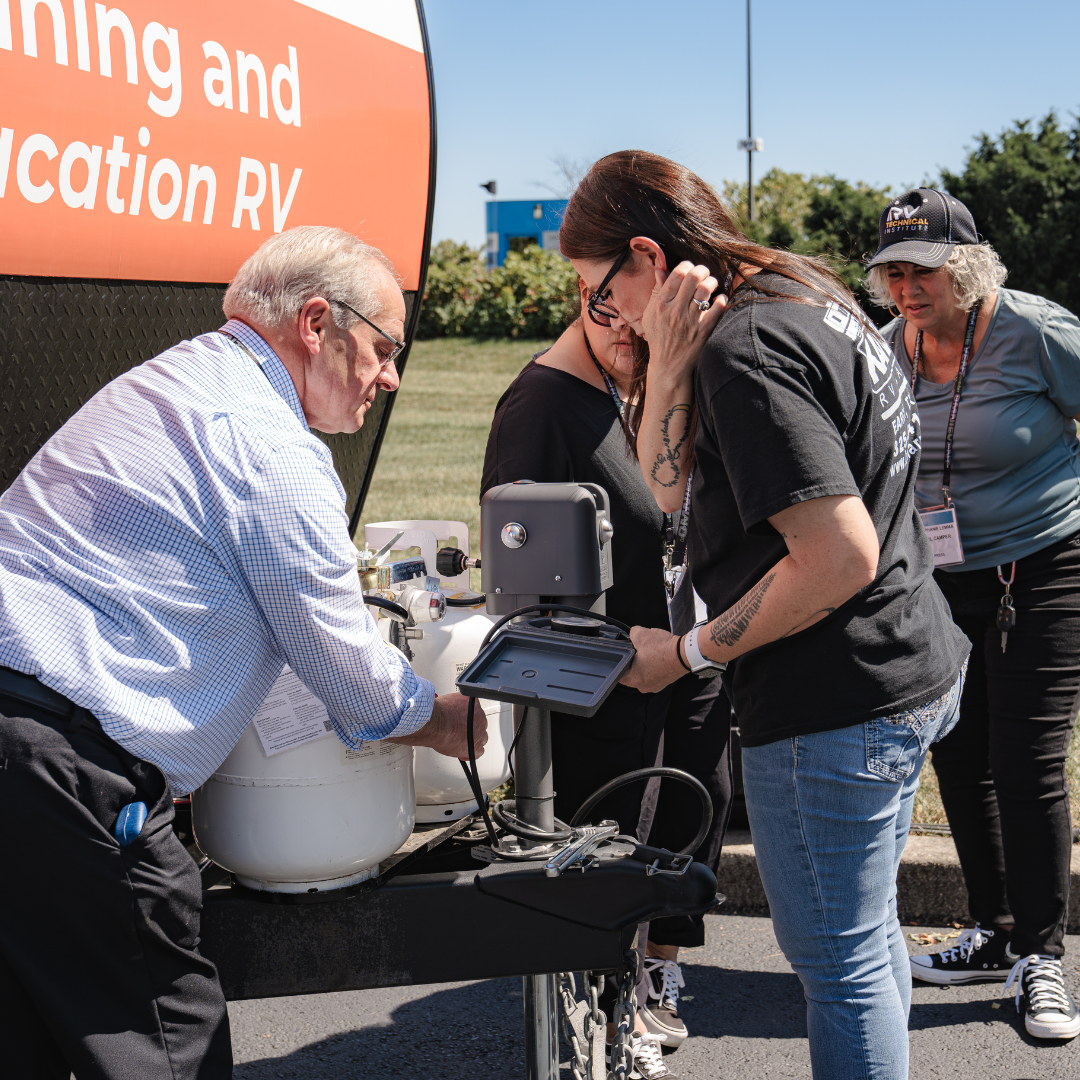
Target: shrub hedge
pixel 532 295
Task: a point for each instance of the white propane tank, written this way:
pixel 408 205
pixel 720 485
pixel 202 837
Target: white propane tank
pixel 309 819
pixel 446 649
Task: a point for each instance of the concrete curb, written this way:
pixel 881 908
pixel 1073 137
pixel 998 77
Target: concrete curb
pixel 930 887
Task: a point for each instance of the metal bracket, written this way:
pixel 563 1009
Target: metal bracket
pixel 679 865
pixel 577 851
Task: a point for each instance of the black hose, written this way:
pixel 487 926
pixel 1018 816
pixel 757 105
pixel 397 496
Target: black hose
pixel 473 774
pixel 643 774
pixel 509 821
pixel 395 611
pixel 465 601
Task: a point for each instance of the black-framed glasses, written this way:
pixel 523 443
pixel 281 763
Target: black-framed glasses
pixel 398 345
pixel 599 310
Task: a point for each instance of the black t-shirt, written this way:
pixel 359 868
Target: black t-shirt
pixel 798 402
pixel 551 427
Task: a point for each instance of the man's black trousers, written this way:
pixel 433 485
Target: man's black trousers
pixel 100 972
pixel 1002 768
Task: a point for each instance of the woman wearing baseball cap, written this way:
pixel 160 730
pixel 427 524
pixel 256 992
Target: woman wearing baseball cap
pixel 996 376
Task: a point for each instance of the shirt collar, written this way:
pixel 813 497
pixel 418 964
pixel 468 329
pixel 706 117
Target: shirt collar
pixel 274 370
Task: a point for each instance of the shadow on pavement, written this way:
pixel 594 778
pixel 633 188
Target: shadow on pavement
pixel 746 1004
pixel 467 1031
pixel 943 1014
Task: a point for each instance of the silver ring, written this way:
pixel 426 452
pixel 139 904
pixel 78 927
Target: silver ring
pixel 703 305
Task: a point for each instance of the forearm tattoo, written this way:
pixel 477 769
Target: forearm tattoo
pixel 731 626
pixel 671 455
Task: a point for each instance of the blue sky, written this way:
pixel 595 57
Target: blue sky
pixel 885 93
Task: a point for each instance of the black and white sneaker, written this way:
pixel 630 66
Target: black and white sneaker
pixel 648 1059
pixel 1049 1010
pixel 660 1013
pixel 977 955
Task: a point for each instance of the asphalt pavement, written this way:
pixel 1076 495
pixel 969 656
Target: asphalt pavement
pixel 743 1005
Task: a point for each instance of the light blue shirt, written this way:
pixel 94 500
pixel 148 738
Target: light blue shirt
pixel 1016 459
pixel 179 540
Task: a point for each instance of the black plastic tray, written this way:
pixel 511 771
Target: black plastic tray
pixel 548 670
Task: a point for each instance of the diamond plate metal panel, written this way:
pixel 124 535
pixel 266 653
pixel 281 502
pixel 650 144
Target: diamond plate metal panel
pixel 62 340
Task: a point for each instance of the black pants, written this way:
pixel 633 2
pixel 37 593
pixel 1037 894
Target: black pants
pixel 687 726
pixel 1002 768
pixel 697 737
pixel 587 752
pixel 100 972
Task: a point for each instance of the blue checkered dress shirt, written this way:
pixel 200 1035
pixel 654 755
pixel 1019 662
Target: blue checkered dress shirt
pixel 178 540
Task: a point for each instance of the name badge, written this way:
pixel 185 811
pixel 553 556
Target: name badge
pixel 943 532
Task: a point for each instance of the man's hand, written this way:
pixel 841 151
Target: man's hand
pixel 656 664
pixel 445 732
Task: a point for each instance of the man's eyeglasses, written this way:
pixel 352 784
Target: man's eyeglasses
pixel 398 345
pixel 600 311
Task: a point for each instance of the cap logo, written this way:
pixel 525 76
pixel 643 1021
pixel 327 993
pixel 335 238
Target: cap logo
pixel 897 212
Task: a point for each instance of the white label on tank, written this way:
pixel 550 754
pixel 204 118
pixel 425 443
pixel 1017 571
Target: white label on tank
pixel 290 716
pixel 368 750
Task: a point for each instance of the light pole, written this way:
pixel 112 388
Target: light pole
pixel 749 144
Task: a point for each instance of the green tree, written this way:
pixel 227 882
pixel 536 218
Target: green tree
pixel 781 202
pixel 1023 189
pixel 816 215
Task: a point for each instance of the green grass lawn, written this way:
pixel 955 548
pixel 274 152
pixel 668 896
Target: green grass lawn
pixel 433 455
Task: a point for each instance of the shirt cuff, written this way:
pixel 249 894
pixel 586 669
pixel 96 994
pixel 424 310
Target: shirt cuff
pixel 417 710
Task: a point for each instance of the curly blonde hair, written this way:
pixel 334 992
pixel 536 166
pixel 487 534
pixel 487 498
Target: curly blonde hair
pixel 976 271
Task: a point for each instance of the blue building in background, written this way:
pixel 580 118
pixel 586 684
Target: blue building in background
pixel 513 224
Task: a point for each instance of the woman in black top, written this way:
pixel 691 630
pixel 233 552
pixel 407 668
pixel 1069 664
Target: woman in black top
pixel 559 421
pixel 843 664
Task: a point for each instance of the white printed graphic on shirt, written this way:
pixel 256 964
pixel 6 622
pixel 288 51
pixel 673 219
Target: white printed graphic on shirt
pixel 888 385
pixel 290 716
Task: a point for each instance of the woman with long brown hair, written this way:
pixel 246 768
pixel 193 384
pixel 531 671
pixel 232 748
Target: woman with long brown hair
pixel 563 419
pixel 842 662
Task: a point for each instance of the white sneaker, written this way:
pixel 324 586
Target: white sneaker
pixel 660 1013
pixel 1049 1010
pixel 648 1058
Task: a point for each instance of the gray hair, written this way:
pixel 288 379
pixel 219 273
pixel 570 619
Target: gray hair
pixel 309 260
pixel 976 271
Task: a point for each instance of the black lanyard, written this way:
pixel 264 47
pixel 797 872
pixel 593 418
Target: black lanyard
pixel 958 386
pixel 675 534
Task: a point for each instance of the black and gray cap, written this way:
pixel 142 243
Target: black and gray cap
pixel 922 227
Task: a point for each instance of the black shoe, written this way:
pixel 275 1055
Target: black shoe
pixel 660 1013
pixel 977 955
pixel 1049 1010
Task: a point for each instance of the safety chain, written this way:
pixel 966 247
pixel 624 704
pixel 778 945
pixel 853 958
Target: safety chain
pixel 591 1065
pixel 622 1060
pixel 583 1067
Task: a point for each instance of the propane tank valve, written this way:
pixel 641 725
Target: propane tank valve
pixel 423 606
pixel 451 561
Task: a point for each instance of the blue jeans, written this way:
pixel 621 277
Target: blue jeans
pixel 830 814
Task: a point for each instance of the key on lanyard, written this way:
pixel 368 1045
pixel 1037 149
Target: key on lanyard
pixel 1006 613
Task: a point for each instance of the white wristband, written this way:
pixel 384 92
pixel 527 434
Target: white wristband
pixel 694 657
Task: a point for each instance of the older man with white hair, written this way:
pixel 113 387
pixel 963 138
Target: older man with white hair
pixel 162 557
